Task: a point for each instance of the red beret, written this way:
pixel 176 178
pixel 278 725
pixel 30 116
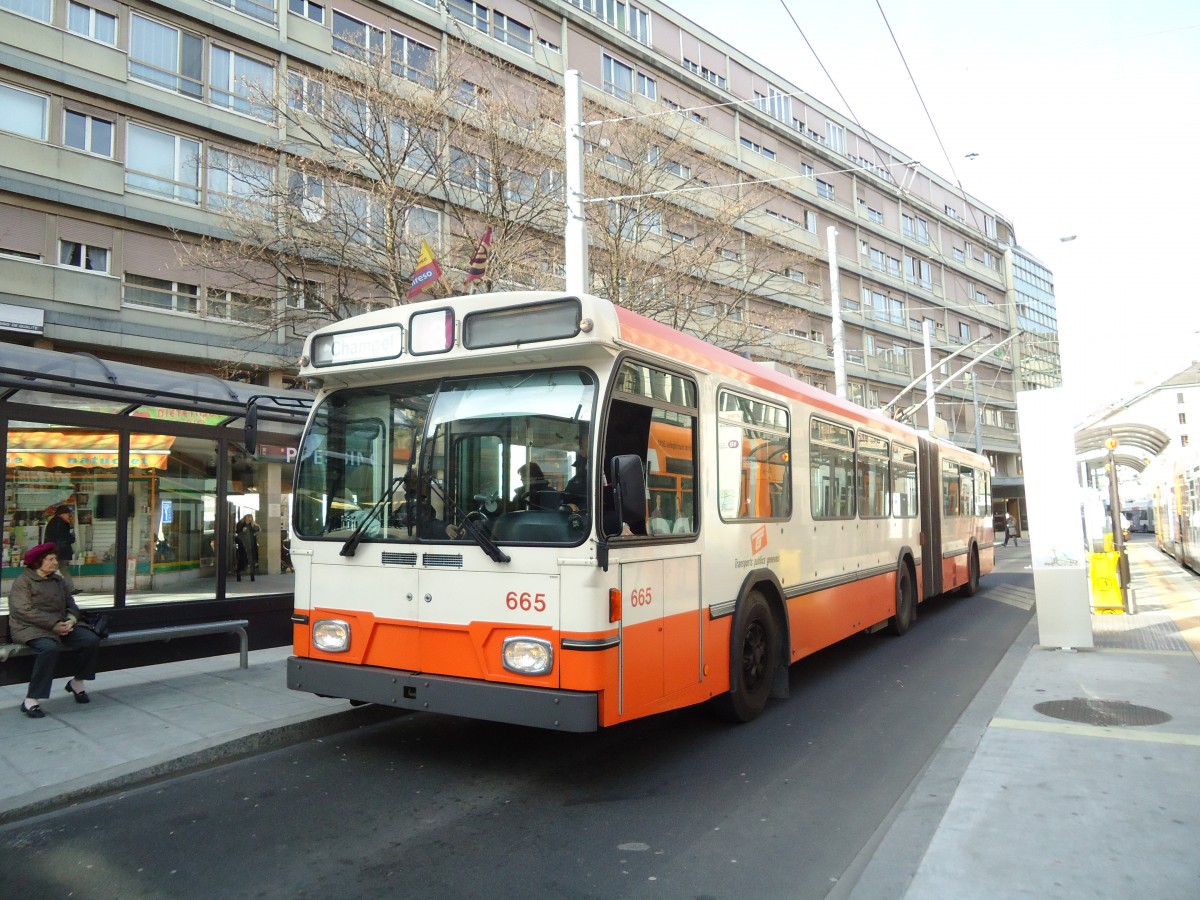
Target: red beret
pixel 35 555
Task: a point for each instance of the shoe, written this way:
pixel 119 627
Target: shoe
pixel 34 712
pixel 80 696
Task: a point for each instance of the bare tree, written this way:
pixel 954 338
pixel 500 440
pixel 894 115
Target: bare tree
pixel 679 236
pixel 376 158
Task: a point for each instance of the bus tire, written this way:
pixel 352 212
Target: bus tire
pixel 906 602
pixel 754 656
pixel 972 586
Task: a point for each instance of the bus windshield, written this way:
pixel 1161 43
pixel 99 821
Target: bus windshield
pixel 408 463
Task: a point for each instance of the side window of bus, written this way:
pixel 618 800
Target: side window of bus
pixel 873 458
pixel 983 494
pixel 949 488
pixel 753 459
pixel 904 481
pixel 966 494
pixel 831 470
pixel 652 416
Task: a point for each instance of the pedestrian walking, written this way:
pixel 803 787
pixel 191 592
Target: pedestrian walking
pixel 246 541
pixel 1010 530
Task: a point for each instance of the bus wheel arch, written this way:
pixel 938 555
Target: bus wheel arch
pixel 759 650
pixel 906 595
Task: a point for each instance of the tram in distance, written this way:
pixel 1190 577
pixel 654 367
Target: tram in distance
pixel 1177 512
pixel 547 510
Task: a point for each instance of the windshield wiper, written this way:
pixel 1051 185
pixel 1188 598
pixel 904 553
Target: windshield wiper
pixel 355 539
pixel 478 535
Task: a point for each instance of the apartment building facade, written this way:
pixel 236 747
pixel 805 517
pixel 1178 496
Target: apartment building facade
pixel 118 121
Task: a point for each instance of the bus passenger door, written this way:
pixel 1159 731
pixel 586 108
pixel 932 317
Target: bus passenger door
pixel 660 629
pixel 931 519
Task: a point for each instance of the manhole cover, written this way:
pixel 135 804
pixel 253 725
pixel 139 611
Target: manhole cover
pixel 1102 712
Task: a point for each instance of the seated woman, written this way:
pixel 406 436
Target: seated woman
pixel 43 615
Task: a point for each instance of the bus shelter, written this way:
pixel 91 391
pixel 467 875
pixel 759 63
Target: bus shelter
pixel 155 470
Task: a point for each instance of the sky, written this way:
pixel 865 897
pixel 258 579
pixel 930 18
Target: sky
pixel 1085 118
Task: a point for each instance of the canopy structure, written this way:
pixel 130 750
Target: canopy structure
pixel 40 377
pixel 1130 436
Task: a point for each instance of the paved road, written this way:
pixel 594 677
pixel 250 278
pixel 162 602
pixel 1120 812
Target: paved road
pixel 676 806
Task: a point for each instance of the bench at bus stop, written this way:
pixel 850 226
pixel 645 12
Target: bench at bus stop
pixel 163 633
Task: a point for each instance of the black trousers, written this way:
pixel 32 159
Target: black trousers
pixel 47 649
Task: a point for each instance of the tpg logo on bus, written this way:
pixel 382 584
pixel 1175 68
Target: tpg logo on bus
pixel 758 539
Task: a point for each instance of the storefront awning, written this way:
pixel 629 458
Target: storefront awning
pixel 70 449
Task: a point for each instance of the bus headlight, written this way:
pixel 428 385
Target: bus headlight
pixel 528 656
pixel 331 635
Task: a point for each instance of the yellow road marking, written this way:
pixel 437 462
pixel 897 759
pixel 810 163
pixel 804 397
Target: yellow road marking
pixel 1120 732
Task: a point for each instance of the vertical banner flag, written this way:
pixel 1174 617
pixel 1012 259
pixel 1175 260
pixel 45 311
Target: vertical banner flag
pixel 480 260
pixel 427 272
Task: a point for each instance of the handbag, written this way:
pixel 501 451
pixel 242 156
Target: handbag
pixel 96 622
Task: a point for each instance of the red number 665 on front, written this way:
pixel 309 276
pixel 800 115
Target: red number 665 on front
pixel 525 601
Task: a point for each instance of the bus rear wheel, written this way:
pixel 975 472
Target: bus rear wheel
pixel 972 586
pixel 754 656
pixel 906 603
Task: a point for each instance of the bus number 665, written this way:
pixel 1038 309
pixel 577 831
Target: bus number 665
pixel 641 597
pixel 525 601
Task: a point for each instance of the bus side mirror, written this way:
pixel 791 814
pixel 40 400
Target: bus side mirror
pixel 629 481
pixel 252 427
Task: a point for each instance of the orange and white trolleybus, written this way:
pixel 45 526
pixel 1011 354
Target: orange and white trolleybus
pixel 547 510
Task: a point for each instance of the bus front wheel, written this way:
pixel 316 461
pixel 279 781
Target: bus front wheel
pixel 754 656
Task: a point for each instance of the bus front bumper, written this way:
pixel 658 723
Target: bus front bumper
pixel 512 703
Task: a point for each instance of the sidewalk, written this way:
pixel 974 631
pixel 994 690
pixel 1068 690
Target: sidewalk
pixel 1015 802
pixel 1073 773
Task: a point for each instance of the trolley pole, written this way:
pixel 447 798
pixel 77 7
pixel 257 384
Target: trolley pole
pixel 835 304
pixel 576 250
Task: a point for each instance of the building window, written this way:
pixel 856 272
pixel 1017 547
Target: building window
pixel 300 294
pixel 236 307
pixel 22 112
pixel 647 86
pixel 308 9
pixel 263 10
pixel 240 83
pixel 964 332
pixel 90 134
pixel 918 271
pixel 470 171
pixel 515 34
pixel 1183 418
pixel 775 103
pixel 620 14
pixel 160 293
pixel 354 38
pixel 758 148
pixel 835 137
pixel 166 56
pixel 163 164
pixel 35 9
pixel 238 182
pixel 469 13
pixel 413 60
pixel 75 255
pixel 824 189
pixel 92 23
pixel 915 227
pixel 706 73
pixel 618 78
pixel 989 226
pixel 305 94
